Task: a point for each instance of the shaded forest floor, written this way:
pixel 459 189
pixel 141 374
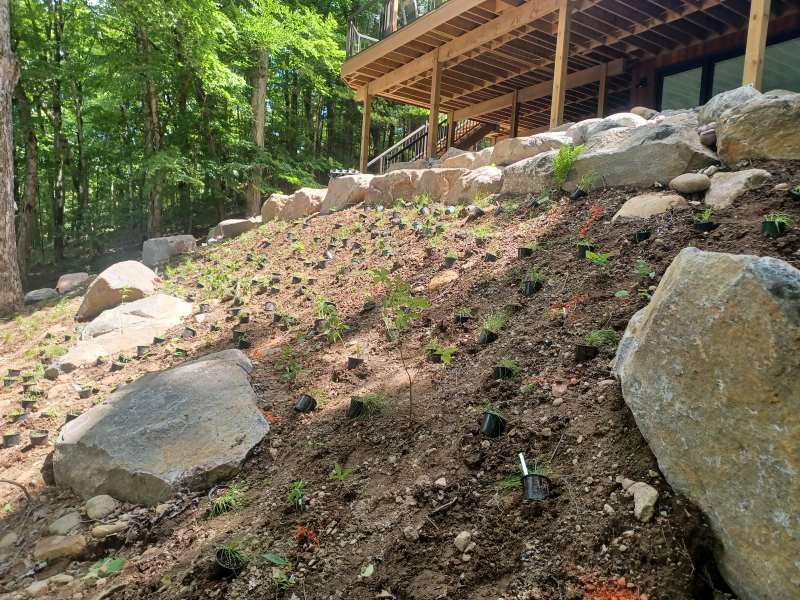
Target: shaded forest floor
pixel 387 529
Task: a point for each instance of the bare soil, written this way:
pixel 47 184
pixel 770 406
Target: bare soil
pixel 421 474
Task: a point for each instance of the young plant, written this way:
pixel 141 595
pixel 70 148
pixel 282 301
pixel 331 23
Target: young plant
pixel 587 182
pixel 704 216
pixel 464 312
pixel 643 270
pixel 334 326
pixel 297 495
pixel 563 160
pixel 232 499
pixel 490 409
pixel 509 364
pixel 534 276
pixel 288 365
pixel 340 474
pixel 781 220
pixel 372 403
pixel 483 232
pixel 400 309
pixel 445 353
pixel 598 259
pixel 540 467
pixel 495 321
pixel 602 337
pixel 231 555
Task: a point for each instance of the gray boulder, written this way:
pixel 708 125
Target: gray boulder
pixel 231 228
pixel 650 204
pixel 69 281
pixel 710 371
pixel 714 108
pixel 345 191
pixel 513 150
pixel 124 281
pixel 766 127
pixel 158 250
pixel 690 183
pixel 123 328
pixel 656 152
pixel 189 426
pixel 529 176
pixel 727 187
pixel 40 295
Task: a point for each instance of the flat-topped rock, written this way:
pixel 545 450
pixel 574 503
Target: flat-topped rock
pixel 727 187
pixel 648 205
pixel 231 228
pixel 40 295
pixel 690 183
pixel 345 191
pixel 126 281
pixel 188 426
pixel 69 281
pixel 158 250
pixel 513 150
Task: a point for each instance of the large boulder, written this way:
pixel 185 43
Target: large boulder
pixel 713 109
pixel 305 201
pixel 158 250
pixel 529 176
pixel 710 371
pixel 461 159
pixel 40 295
pixel 188 426
pixel 395 185
pixel 512 150
pixel 644 206
pixel 655 152
pixel 345 191
pixel 272 207
pixel 231 228
pixel 766 127
pixel 123 328
pixel 476 183
pixel 583 131
pixel 438 183
pixel 124 281
pixel 69 281
pixel 727 187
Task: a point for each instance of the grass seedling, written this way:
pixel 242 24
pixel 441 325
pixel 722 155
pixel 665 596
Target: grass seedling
pixel 373 404
pixel 483 232
pixel 534 276
pixel 340 474
pixel 495 321
pixel 778 218
pixel 491 409
pixel 230 500
pixel 230 555
pixel 602 337
pixel 297 495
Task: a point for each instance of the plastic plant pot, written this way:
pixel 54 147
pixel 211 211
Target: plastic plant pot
pixel 353 362
pixel 492 424
pixel 17 416
pixel 773 228
pixel 14 373
pixel 578 194
pixel 117 366
pixel 535 488
pixel 204 308
pixel 142 351
pixel 503 372
pixel 237 301
pixel 795 193
pixel 583 249
pixel 274 290
pixel 158 340
pixel 235 311
pixel 213 327
pixel 9 381
pixel 328 254
pixel 10 439
pixel 26 378
pixel 190 297
pixel 222 569
pixel 188 333
pixel 641 236
pixel 38 437
pixel 584 353
pixel 449 261
pixel 26 387
pixel 296 279
pixel 276 278
pixel 238 335
pixel 270 307
pixel 524 252
pixel 486 336
pixel 529 288
pixel 490 257
pixel 305 403
pixel 84 392
pixel 706 226
pixel 27 403
pixel 463 318
pixel 70 417
pixel 434 357
pixel 181 352
pixel 321 265
pixel 243 344
pixel 356 408
pixel 244 318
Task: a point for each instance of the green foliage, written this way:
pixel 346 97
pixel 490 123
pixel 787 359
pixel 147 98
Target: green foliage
pixel 704 216
pixel 587 182
pixel 340 474
pixel 621 293
pixel 534 276
pixel 446 353
pixel 400 306
pixel 602 337
pixel 230 500
pixel 110 565
pixel 510 364
pixel 778 218
pixel 373 404
pixel 490 408
pixel 481 200
pixel 643 270
pixel 231 554
pixel 297 495
pixel 495 321
pixel 563 160
pixel 334 326
pixel 598 259
pixel 288 365
pixel 483 231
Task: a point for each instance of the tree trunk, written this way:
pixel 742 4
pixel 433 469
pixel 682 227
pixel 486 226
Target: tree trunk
pixel 10 284
pixel 31 193
pixel 258 80
pixel 82 166
pixel 152 141
pixel 57 119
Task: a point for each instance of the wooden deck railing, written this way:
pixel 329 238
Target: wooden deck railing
pixel 378 19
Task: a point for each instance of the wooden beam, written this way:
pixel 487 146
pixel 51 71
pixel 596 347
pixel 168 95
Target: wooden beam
pixel 433 117
pixel 560 67
pixel 365 123
pixel 395 11
pixel 451 129
pixel 601 92
pixel 514 115
pixel 540 90
pixel 756 43
pixel 408 34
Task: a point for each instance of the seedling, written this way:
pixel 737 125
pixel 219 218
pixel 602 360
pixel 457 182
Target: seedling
pixel 703 222
pixel 493 422
pixel 288 365
pixel 775 224
pixel 599 259
pixel 506 368
pixel 492 324
pixel 584 246
pixel 535 481
pixel 340 474
pixel 450 259
pixel 230 558
pixel 230 500
pixel 795 192
pixel 643 270
pixel 602 338
pixel 297 495
pixel 363 407
pixel 334 326
pixel 440 354
pixel 532 282
pixel 483 232
pixel 526 251
pixel 563 161
pixel 463 314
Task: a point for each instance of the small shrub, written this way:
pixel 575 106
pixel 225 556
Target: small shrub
pixel 373 403
pixel 598 259
pixel 510 364
pixel 446 353
pixel 534 276
pixel 704 216
pixel 643 270
pixel 563 160
pixel 602 337
pixel 288 365
pixel 495 321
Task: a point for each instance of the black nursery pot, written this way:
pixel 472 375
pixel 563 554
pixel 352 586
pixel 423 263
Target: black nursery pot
pixel 238 335
pixel 84 393
pixel 356 409
pixel 245 318
pixel 9 381
pixel 204 308
pixel 706 226
pixel 582 250
pixel 27 403
pixel 524 252
pixel 27 378
pixel 529 288
pixel 181 352
pixel 487 337
pixel 501 372
pixel 117 366
pixel 434 357
pixel 221 569
pixel 70 417
pixel 462 318
pixel 38 438
pixel 490 257
pixel 235 311
pixel 535 488
pixel 773 229
pixel 142 351
pixel 449 261
pixel 159 340
pixel 189 333
pixel 10 439
pixel 641 236
pixel 14 373
pixel 584 353
pixel 795 194
pixel 578 194
pixel 296 279
pixel 492 425
pixel 305 404
pixel 353 362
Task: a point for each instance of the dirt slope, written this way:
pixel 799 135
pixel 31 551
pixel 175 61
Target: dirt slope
pixel 418 481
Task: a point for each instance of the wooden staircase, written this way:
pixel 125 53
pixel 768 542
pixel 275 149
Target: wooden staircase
pixel 467 135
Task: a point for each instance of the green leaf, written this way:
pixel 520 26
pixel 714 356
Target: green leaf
pixel 368 570
pixel 620 293
pixel 275 559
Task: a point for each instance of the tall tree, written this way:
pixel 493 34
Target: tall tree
pixel 10 284
pixel 258 80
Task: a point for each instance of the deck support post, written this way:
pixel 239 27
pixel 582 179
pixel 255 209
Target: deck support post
pixel 514 129
pixel 451 129
pixel 560 66
pixel 601 92
pixel 433 118
pixel 756 44
pixel 394 7
pixel 365 124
